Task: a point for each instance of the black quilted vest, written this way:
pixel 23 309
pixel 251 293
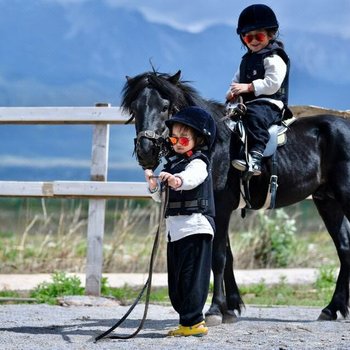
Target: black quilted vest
pixel 198 200
pixel 252 68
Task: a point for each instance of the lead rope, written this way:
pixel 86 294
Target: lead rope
pixel 148 284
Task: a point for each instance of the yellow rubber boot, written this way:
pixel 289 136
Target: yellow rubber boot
pixel 197 330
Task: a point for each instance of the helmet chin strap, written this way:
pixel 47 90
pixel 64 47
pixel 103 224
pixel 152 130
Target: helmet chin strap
pixel 189 153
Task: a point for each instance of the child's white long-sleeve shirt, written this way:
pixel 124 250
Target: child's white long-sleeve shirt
pixel 275 72
pixel 180 226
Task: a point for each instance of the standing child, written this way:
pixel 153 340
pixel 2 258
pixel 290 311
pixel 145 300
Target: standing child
pixel 261 80
pixel 189 216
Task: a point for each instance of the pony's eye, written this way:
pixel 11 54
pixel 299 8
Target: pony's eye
pixel 165 108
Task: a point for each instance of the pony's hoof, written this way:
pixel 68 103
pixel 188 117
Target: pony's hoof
pixel 229 317
pixel 326 315
pixel 213 320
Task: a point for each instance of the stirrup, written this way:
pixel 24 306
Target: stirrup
pixel 256 170
pixel 197 330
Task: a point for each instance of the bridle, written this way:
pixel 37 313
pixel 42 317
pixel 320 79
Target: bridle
pixel 160 143
pixel 159 140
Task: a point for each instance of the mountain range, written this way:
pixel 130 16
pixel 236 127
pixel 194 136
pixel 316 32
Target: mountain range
pixel 79 54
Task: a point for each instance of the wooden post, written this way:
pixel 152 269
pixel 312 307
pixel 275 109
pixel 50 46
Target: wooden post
pixel 96 219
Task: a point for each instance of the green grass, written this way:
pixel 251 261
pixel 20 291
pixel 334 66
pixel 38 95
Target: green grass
pixel 127 294
pixel 282 293
pixel 61 285
pixel 9 294
pixel 317 294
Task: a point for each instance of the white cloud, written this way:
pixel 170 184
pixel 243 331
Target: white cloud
pixel 298 19
pixel 319 60
pixel 196 15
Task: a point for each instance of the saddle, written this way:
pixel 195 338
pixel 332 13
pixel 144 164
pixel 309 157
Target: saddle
pixel 277 132
pixel 278 137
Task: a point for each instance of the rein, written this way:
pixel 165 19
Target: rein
pixel 148 284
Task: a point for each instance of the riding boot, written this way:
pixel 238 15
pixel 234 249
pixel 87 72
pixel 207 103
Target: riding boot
pixel 255 162
pixel 255 158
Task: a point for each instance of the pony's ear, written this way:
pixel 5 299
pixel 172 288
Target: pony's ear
pixel 128 78
pixel 174 79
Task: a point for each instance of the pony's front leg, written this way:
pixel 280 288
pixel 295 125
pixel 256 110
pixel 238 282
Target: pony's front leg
pixel 214 315
pixel 234 301
pixel 218 308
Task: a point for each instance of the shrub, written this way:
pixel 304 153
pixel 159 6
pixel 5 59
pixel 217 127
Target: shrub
pixel 61 285
pixel 272 242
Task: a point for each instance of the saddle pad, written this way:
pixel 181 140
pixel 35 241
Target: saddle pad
pixel 278 136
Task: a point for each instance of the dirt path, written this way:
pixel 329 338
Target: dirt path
pixel 44 327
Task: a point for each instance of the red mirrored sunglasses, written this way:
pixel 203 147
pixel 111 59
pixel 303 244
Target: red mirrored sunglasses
pixel 183 141
pixel 248 38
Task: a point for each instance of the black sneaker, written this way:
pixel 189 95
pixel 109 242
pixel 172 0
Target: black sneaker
pixel 239 164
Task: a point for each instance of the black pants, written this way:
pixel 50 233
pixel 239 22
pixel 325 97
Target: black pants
pixel 259 117
pixel 189 266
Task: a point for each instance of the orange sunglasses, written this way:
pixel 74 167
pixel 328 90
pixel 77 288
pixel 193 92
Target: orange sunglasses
pixel 248 38
pixel 183 141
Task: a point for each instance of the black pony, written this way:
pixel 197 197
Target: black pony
pixel 315 161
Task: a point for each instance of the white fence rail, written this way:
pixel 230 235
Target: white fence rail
pixel 73 189
pixel 97 190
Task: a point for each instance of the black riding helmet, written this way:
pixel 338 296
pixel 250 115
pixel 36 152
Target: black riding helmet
pixel 198 119
pixel 255 17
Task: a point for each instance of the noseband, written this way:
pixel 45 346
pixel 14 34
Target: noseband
pixel 158 140
pixel 160 143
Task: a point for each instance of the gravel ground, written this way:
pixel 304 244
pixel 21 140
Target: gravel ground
pixel 57 327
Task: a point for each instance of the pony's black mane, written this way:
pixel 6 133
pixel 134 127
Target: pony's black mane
pixel 178 92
